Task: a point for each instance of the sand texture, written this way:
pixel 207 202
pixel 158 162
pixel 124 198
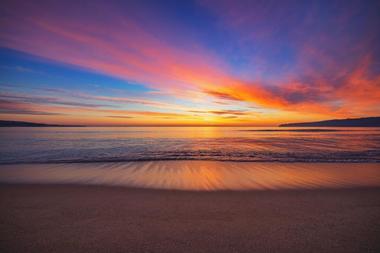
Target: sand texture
pixel 68 218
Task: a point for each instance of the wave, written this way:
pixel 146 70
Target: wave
pixel 351 157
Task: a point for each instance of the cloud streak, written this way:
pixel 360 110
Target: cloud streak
pixel 9 107
pixel 293 61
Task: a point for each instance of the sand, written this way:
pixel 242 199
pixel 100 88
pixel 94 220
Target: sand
pixel 68 218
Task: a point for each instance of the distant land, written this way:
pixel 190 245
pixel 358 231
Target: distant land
pixel 359 122
pixel 7 123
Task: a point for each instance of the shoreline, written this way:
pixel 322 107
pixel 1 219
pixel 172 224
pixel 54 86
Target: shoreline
pixel 189 160
pixel 198 175
pixel 180 191
pixel 80 218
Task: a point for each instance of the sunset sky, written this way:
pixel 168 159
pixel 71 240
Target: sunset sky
pixel 208 62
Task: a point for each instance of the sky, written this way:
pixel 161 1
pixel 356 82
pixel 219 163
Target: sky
pixel 201 62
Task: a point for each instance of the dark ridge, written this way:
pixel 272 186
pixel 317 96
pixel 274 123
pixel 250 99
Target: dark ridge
pixel 7 123
pixel 359 122
pixel 292 130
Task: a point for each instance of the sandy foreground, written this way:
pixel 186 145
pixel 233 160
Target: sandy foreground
pixel 68 218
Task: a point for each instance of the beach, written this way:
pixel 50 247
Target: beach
pixel 73 218
pixel 190 206
pixel 189 190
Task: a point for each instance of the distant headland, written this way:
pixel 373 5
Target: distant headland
pixel 358 122
pixel 7 123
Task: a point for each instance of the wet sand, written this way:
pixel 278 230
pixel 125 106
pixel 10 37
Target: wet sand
pixel 68 218
pixel 199 175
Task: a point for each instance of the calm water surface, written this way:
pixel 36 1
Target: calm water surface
pixel 122 144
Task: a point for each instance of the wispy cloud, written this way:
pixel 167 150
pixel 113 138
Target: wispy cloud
pixel 8 107
pixel 49 106
pixel 235 113
pixel 120 117
pixel 20 69
pixel 46 100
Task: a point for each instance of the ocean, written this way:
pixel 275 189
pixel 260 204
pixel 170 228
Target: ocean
pixel 123 144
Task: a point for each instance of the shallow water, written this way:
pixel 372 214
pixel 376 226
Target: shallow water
pixel 199 175
pixel 116 144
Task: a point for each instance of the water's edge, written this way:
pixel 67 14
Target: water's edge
pixel 198 175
